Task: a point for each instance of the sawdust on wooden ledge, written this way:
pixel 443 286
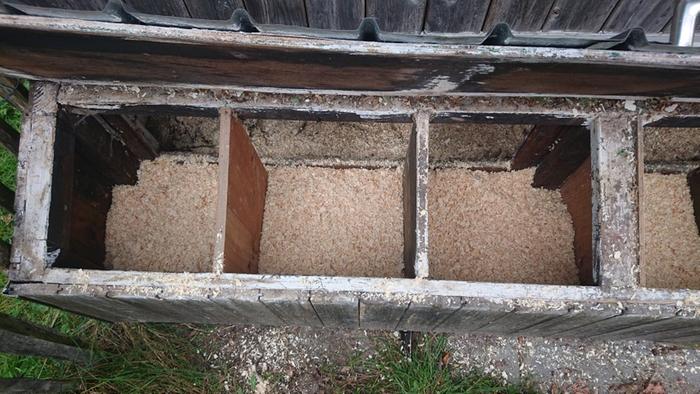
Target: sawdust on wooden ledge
pixel 339 222
pixel 671 247
pixel 166 221
pixel 495 227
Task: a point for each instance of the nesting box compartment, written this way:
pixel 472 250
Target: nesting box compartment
pixel 299 244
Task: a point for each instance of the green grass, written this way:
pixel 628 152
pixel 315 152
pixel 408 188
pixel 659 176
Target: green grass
pixel 128 358
pixel 428 370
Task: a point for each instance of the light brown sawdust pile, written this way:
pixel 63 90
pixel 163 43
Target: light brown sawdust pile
pixel 671 144
pixel 671 249
pixel 166 221
pixel 495 227
pixel 322 221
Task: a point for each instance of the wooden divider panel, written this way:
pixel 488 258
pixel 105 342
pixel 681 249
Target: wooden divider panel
pixel 241 199
pixel 415 200
pixel 616 184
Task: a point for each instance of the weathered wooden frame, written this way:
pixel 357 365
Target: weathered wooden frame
pixel 113 53
pixel 617 308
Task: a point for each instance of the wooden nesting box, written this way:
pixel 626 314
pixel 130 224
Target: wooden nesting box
pixel 66 174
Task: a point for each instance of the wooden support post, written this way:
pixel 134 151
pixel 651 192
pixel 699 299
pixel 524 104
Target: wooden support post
pixel 538 143
pixel 20 337
pixel 572 148
pixel 9 137
pixel 576 193
pixel 415 200
pixel 34 172
pixel 241 199
pixel 616 158
pixel 694 187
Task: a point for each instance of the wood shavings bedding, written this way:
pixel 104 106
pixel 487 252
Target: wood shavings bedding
pixel 340 222
pixel 495 227
pixel 671 246
pixel 166 221
pixel 318 221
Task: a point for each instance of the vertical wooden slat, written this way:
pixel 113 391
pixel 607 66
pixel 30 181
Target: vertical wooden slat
pixel 577 15
pixel 69 4
pixel 397 15
pixel 9 137
pixel 651 15
pixel 335 14
pixel 241 199
pixel 616 163
pixel 415 199
pixel 520 15
pixel 161 7
pixel 278 12
pixel 34 171
pixel 455 16
pixel 15 93
pixel 212 9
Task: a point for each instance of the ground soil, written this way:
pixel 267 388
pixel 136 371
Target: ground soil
pixel 298 360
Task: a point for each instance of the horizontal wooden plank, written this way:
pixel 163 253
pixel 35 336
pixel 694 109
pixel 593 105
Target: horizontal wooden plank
pixel 336 309
pixel 212 58
pixel 427 314
pixel 381 313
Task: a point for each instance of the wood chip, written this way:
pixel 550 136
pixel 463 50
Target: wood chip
pixel 166 221
pixel 495 227
pixel 340 222
pixel 671 247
